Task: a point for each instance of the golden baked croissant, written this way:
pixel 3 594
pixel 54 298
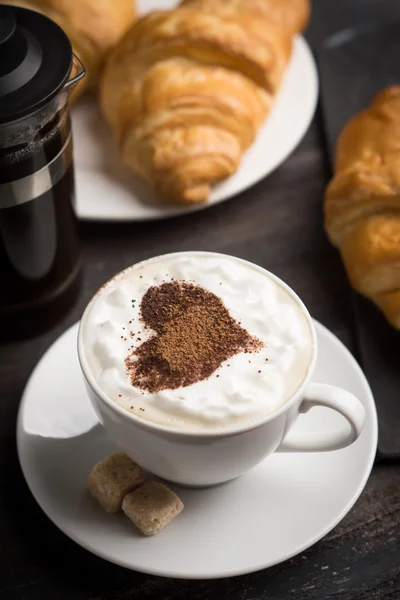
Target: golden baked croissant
pixel 362 202
pixel 185 92
pixel 93 27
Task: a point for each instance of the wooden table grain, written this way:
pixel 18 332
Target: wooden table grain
pixel 277 224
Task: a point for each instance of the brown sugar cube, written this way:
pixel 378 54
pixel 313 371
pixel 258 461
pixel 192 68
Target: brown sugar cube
pixel 151 507
pixel 112 478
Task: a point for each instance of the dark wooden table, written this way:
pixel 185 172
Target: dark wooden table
pixel 277 224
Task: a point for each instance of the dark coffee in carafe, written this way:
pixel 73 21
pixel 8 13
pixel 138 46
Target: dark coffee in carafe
pixel 39 254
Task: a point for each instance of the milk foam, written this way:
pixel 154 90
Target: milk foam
pixel 248 388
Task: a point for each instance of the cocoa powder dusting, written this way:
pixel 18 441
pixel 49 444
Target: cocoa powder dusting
pixel 193 335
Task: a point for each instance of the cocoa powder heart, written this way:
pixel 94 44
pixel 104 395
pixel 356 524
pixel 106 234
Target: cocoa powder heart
pixel 193 335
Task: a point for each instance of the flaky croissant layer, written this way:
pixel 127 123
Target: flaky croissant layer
pixel 291 15
pixel 362 202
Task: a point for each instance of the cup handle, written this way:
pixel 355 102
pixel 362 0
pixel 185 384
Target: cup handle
pixel 320 394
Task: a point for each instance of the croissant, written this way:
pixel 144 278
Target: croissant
pixel 186 90
pixel 93 27
pixel 362 202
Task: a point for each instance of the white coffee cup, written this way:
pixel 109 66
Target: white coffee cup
pixel 207 458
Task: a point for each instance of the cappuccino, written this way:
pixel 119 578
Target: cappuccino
pixel 197 342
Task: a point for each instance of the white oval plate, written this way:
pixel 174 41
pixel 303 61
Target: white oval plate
pixel 275 511
pixel 107 191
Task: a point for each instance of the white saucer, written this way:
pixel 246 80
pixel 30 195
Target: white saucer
pixel 108 191
pixel 275 511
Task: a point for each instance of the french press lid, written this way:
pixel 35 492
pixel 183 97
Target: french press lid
pixel 35 61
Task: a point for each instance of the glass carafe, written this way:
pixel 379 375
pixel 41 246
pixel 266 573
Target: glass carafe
pixel 39 254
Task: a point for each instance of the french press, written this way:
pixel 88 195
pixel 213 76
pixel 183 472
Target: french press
pixel 39 255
